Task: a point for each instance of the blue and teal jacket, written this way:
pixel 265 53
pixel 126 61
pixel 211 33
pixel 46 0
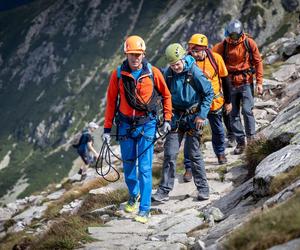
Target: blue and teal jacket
pixel 184 95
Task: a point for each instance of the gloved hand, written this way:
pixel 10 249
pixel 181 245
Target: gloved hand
pixel 106 137
pixel 166 127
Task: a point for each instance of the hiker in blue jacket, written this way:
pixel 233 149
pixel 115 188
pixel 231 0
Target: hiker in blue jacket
pixel 192 95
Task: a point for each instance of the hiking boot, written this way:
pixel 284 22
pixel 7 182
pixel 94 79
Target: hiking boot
pixel 222 159
pixel 132 204
pixel 202 196
pixel 160 196
pixel 230 143
pixel 239 149
pixel 142 217
pixel 82 174
pixel 187 176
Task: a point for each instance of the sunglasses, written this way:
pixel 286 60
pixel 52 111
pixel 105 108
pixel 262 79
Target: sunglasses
pixel 196 51
pixel 234 36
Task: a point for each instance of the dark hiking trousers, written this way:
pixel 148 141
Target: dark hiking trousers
pixel 192 150
pixel 242 96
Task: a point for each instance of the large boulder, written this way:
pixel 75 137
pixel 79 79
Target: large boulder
pixel 279 162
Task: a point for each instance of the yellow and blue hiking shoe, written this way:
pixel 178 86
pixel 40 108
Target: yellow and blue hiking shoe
pixel 132 204
pixel 142 217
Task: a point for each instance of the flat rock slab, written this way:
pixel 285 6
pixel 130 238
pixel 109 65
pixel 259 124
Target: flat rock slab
pixel 279 162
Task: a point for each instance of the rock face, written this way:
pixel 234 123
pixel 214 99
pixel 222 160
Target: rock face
pixel 290 69
pixel 283 195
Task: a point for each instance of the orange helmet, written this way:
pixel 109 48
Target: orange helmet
pixel 198 39
pixel 134 44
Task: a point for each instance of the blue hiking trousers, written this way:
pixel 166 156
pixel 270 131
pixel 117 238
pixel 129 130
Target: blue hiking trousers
pixel 138 172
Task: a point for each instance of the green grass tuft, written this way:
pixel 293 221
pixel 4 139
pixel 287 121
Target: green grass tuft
pixel 66 233
pixel 281 181
pixel 276 226
pixel 92 201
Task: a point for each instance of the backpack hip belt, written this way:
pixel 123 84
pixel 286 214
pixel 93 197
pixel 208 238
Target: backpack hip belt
pixel 136 120
pixel 244 71
pixel 190 111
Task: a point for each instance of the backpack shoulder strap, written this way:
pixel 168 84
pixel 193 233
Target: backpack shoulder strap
pixel 225 52
pixel 149 65
pixel 190 78
pixel 119 72
pixel 168 75
pixel 249 50
pixel 212 61
pixel 150 68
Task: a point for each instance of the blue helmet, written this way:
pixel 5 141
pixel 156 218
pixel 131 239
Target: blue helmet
pixel 234 27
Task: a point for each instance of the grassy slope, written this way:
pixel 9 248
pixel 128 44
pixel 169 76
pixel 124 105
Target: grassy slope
pixel 39 170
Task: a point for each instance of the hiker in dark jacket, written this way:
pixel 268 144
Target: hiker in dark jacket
pixel 85 148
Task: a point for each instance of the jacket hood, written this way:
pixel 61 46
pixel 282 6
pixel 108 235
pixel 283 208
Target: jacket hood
pixel 234 42
pixel 188 62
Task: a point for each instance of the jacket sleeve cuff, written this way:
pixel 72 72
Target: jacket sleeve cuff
pixel 106 130
pixel 201 116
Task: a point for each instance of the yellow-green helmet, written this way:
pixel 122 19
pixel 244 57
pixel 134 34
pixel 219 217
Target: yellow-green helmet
pixel 174 52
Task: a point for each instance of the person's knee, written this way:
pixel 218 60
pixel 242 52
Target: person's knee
pixel 194 156
pixel 235 118
pixel 170 156
pixel 247 110
pixel 146 173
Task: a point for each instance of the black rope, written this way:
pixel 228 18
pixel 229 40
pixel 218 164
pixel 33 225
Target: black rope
pixel 105 155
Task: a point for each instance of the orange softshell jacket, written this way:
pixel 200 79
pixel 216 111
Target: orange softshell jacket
pixel 238 60
pixel 215 78
pixel 144 87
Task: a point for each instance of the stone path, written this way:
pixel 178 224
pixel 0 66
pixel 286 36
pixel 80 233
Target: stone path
pixel 173 221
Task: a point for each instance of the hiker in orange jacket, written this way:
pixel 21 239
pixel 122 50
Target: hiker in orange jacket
pixel 215 70
pixel 243 62
pixel 138 86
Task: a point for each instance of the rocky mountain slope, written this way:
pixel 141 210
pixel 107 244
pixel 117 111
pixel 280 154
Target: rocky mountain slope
pixel 254 198
pixel 56 55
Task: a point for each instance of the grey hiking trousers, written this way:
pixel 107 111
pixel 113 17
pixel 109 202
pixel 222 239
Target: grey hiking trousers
pixel 192 150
